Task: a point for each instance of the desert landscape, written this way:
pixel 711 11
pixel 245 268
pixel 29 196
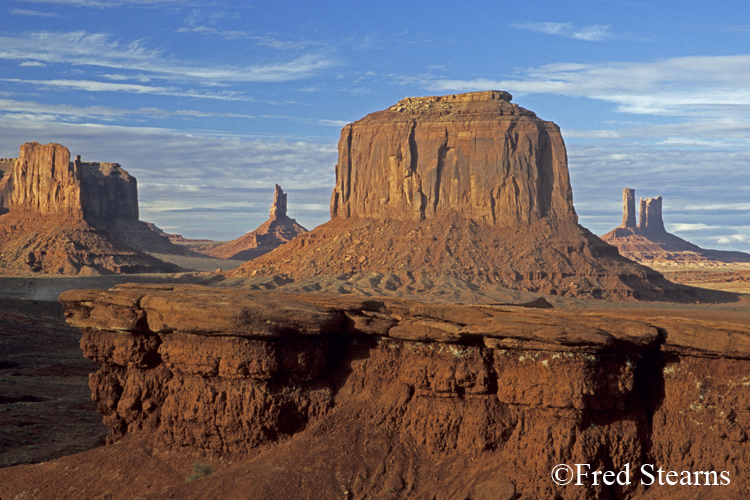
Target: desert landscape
pixel 452 332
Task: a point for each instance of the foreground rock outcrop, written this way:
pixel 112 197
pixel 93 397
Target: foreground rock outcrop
pixel 63 217
pixel 469 188
pixel 273 233
pixel 648 242
pixel 419 400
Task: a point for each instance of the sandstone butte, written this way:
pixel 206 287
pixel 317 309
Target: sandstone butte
pixel 467 187
pixel 277 230
pixel 648 241
pixel 72 217
pixel 309 396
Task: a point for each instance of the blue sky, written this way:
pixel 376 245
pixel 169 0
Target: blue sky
pixel 209 104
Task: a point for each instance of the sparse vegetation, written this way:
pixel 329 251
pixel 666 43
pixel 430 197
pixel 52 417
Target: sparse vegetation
pixel 199 471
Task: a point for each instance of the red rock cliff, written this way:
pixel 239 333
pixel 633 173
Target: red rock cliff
pixel 45 181
pixel 107 191
pixel 420 400
pixel 476 154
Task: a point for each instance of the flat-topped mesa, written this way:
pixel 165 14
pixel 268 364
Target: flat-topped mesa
pixel 476 154
pixel 278 209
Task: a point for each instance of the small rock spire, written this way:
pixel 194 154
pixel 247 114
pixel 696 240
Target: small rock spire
pixel 278 209
pixel 628 208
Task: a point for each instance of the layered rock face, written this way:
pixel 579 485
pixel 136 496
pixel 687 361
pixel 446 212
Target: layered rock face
pixel 64 217
pixel 273 233
pixel 419 400
pixel 463 188
pixel 107 191
pixel 649 242
pixel 476 154
pixel 6 186
pixel 44 181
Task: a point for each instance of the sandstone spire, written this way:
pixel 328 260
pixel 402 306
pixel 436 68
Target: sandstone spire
pixel 628 208
pixel 273 233
pixel 278 209
pixel 650 243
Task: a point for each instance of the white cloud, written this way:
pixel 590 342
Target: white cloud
pixel 733 239
pixel 102 4
pixel 591 33
pixel 714 86
pixel 95 86
pixel 678 227
pixel 333 123
pixel 40 112
pixel 35 13
pixel 86 49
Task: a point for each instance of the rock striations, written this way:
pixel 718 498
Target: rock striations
pixel 59 217
pixel 648 242
pixel 466 187
pixel 273 233
pixel 475 154
pixel 394 398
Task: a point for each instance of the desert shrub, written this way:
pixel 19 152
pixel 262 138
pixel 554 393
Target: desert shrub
pixel 199 471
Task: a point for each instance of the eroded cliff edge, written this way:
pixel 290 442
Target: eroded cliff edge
pixel 421 400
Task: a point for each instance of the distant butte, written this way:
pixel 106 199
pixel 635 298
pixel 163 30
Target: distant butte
pixel 460 191
pixel 648 242
pixel 72 217
pixel 276 231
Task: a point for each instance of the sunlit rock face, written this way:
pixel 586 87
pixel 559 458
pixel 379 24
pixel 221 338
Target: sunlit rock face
pixel 45 181
pixel 476 154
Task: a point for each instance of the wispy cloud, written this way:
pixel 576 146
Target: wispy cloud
pixel 590 33
pixel 98 50
pixel 102 4
pixel 697 86
pixel 40 112
pixel 269 41
pixel 32 64
pixel 35 13
pixel 733 239
pixel 96 86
